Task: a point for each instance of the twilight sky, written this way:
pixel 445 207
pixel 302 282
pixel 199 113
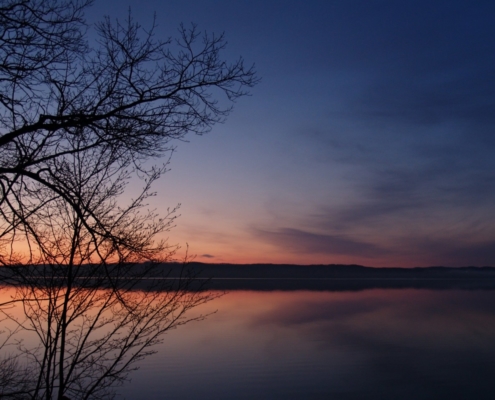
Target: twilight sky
pixel 370 139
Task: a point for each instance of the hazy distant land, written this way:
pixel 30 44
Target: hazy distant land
pixel 322 277
pixel 339 277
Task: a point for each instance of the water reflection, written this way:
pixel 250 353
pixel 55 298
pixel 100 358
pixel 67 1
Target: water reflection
pixel 378 344
pixel 64 341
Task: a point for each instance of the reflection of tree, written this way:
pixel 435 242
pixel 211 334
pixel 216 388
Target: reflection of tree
pixel 90 338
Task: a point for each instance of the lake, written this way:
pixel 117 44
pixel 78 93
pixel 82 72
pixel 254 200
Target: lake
pixel 364 344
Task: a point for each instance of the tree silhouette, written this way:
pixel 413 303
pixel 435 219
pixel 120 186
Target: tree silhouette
pixel 87 274
pixel 96 303
pixel 130 93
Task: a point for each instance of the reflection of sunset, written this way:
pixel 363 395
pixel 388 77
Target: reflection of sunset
pixel 7 294
pixel 439 318
pixel 293 343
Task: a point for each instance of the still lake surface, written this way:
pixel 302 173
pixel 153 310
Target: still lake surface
pixel 366 344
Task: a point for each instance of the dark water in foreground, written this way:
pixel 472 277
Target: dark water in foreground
pixel 368 344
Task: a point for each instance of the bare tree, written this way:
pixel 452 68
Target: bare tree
pixel 77 121
pixel 96 304
pixel 130 92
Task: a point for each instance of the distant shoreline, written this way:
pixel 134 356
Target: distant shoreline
pixel 266 277
pixel 340 277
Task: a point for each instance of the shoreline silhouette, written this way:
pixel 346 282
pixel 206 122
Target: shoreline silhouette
pixel 333 277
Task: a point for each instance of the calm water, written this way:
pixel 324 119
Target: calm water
pixel 370 344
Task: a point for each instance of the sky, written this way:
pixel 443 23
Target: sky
pixel 369 139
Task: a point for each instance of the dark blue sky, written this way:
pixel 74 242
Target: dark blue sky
pixel 369 140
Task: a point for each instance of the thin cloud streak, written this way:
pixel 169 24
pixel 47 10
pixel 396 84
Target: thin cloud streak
pixel 207 256
pixel 406 251
pixel 300 241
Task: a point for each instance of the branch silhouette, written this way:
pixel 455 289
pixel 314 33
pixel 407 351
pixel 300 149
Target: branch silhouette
pixel 96 304
pixel 88 277
pixel 131 93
